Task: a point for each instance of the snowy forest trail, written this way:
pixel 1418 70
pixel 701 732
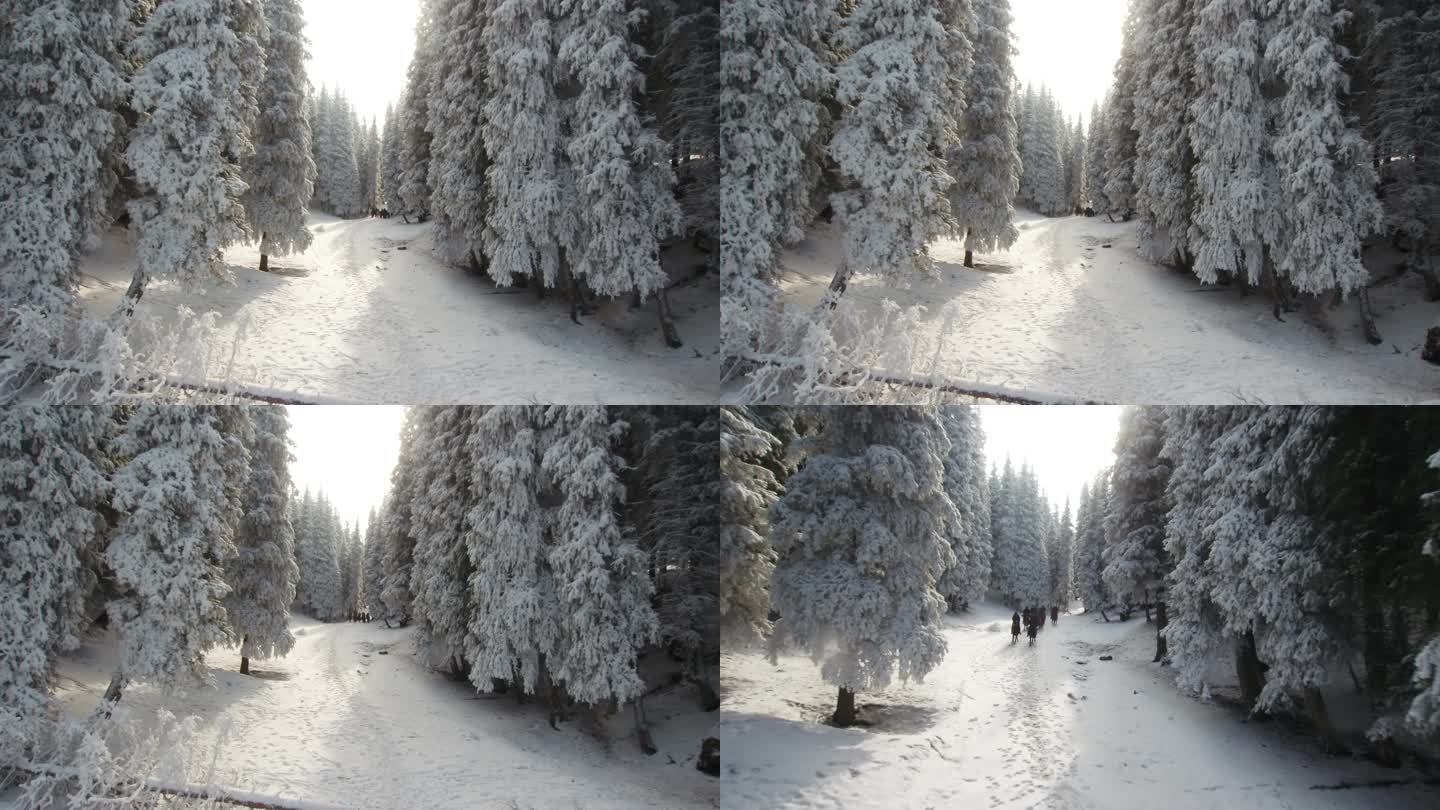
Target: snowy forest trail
pixel 1050 727
pixel 351 718
pixel 368 314
pixel 1073 309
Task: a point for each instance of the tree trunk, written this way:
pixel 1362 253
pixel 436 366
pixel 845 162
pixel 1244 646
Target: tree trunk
pixel 134 292
pixel 1146 608
pixel 1367 318
pixel 576 294
pixel 1161 620
pixel 1320 716
pixel 969 258
pixel 839 283
pixel 844 716
pixel 1103 616
pixel 642 728
pixel 244 659
pixel 264 262
pixel 667 320
pixel 1377 671
pixel 709 698
pixel 1248 669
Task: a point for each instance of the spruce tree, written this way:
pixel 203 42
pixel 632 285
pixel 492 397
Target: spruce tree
pixel 263 574
pixel 195 97
pixel 280 175
pixel 862 537
pixel 748 488
pixel 986 165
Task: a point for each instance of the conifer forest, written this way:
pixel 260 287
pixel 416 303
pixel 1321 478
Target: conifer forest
pixel 743 404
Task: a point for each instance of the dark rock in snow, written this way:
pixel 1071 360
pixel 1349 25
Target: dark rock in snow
pixel 1431 353
pixel 402 247
pixel 384 652
pixel 709 759
pixel 1107 658
pixel 1107 244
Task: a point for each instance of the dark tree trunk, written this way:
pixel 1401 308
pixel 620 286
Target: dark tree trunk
pixel 1161 620
pixel 1147 612
pixel 134 292
pixel 1320 717
pixel 844 716
pixel 1377 670
pixel 264 262
pixel 1249 670
pixel 1103 616
pixel 667 320
pixel 969 258
pixel 642 728
pixel 244 659
pixel 576 295
pixel 1367 318
pixel 839 283
pixel 709 698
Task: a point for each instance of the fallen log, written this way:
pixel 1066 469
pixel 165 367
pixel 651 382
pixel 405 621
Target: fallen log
pixel 999 393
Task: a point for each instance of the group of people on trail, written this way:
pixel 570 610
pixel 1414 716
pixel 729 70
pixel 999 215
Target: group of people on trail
pixel 1033 619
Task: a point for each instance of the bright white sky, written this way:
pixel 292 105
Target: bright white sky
pixel 348 451
pixel 363 48
pixel 1064 444
pixel 1070 47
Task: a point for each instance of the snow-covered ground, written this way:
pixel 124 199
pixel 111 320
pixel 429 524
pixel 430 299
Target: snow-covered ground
pixel 1050 726
pixel 1062 313
pixel 352 719
pixel 367 314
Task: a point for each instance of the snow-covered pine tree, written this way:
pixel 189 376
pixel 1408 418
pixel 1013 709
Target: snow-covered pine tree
pixel 174 536
pixel 1062 561
pixel 1120 135
pixel 769 140
pixel 892 85
pixel 1424 710
pixel 413 160
pixel 1164 160
pixel 986 166
pixel 1136 562
pixel 52 491
pixel 372 571
pixel 515 630
pixel 1005 578
pixel 399 541
pixel 620 163
pixel 1050 156
pixel 319 561
pixel 969 491
pixel 263 573
pixel 1095 160
pixel 1325 178
pixel 280 175
pixel 370 169
pixel 1234 200
pixel 61 79
pixel 1198 633
pixel 440 579
pixel 599 572
pixel 389 177
pixel 861 533
pixel 1031 564
pixel 455 106
pixel 684 84
pixel 195 98
pixel 1090 539
pixel 1399 60
pixel 1075 191
pixel 748 488
pixel 674 456
pixel 532 225
pixel 1026 106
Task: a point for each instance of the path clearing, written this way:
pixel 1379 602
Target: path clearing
pixel 1061 312
pixel 368 314
pixel 1008 727
pixel 350 718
